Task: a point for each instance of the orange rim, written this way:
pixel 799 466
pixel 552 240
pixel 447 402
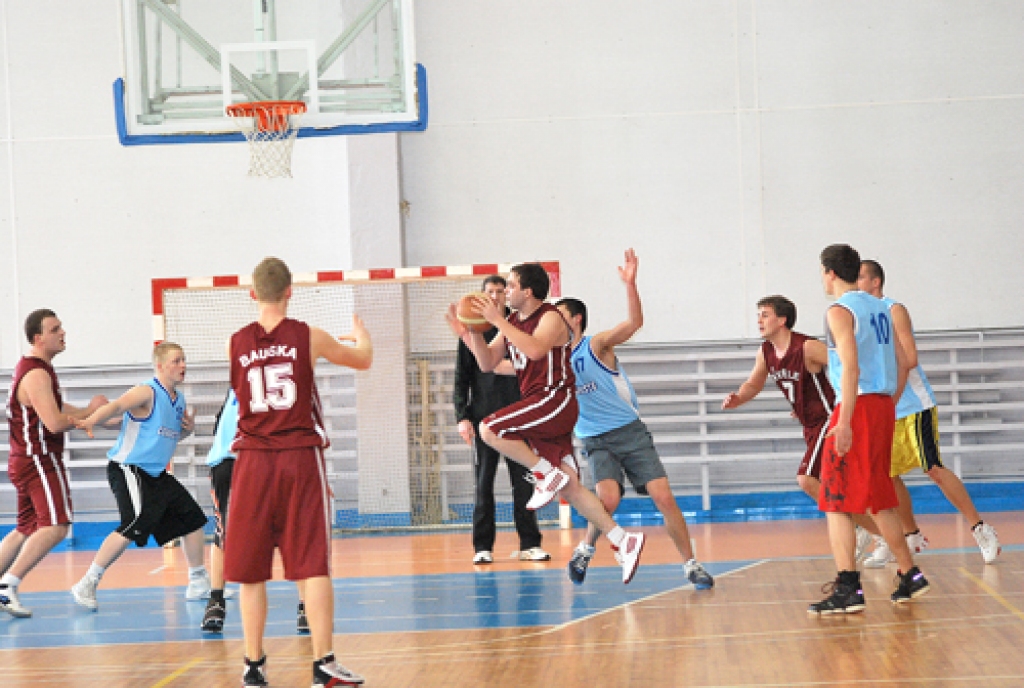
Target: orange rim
pixel 268 115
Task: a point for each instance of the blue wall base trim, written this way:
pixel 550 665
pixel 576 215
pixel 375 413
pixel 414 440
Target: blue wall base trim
pixel 783 506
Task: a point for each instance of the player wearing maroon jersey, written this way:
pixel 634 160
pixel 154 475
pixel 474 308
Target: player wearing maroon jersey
pixel 38 419
pixel 796 363
pixel 536 431
pixel 279 496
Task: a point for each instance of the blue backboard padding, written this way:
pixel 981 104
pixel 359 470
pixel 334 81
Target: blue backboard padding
pixel 306 132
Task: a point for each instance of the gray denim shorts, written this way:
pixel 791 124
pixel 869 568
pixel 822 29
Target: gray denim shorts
pixel 624 452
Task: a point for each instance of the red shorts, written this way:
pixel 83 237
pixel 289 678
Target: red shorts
pixel 859 482
pixel 278 499
pixel 544 421
pixel 44 491
pixel 814 436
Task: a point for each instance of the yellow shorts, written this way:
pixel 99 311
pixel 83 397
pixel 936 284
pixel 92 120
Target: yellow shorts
pixel 915 443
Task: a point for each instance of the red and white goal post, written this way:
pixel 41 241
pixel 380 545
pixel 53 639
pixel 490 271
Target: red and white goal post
pixel 396 460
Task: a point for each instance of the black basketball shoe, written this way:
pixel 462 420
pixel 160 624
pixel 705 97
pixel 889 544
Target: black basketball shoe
pixel 909 585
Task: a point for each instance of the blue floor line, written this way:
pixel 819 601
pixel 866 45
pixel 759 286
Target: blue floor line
pixel 491 599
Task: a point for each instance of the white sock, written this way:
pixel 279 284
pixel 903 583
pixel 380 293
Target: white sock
pixel 196 571
pixel 95 571
pixel 616 535
pixel 690 564
pixel 543 467
pixel 586 547
pixel 10 580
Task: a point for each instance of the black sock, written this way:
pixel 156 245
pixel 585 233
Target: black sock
pixel 851 578
pixel 217 595
pixel 916 532
pixel 975 526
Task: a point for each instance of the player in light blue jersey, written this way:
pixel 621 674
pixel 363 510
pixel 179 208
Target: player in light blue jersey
pixel 221 462
pixel 916 438
pixel 867 369
pixel 616 442
pixel 150 500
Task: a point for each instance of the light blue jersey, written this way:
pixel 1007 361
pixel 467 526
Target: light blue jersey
pixel 149 442
pixel 876 350
pixel 606 397
pixel 224 435
pixel 917 395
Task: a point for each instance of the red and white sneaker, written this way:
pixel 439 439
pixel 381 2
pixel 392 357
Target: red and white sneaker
pixel 545 487
pixel 628 554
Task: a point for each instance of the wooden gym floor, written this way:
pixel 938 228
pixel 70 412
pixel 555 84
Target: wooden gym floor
pixel 412 611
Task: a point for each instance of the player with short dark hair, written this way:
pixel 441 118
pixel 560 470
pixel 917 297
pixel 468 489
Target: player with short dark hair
pixel 867 368
pixel 476 395
pixel 615 440
pixel 151 501
pixel 38 418
pixel 537 430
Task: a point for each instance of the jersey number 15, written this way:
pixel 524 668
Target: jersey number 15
pixel 271 387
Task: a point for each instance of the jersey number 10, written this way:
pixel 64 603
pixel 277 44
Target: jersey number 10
pixel 880 324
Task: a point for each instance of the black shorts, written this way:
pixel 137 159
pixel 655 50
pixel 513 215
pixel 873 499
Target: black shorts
pixel 220 490
pixel 160 506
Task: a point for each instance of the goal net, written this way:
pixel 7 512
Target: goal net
pixel 396 460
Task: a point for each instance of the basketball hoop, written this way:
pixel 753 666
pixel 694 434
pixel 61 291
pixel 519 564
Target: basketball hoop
pixel 270 127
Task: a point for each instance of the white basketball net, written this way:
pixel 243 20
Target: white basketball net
pixel 271 133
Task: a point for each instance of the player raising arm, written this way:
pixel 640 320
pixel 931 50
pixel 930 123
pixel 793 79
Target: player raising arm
pixel 537 430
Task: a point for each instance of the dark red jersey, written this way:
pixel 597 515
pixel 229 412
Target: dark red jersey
pixel 272 375
pixel 553 371
pixel 28 435
pixel 810 394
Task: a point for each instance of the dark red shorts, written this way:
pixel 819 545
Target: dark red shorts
pixel 278 499
pixel 43 489
pixel 545 422
pixel 814 436
pixel 859 482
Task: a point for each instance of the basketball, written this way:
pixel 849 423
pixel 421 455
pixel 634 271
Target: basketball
pixel 469 315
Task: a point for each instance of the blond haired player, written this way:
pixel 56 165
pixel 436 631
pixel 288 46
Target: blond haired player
pixel 150 500
pixel 916 439
pixel 280 498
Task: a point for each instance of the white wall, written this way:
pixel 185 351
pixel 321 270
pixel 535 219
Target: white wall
pixel 728 142
pixel 85 223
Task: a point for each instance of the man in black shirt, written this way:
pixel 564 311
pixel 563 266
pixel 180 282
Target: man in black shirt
pixel 476 396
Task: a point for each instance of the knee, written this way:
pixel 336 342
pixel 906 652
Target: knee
pixel 808 484
pixel 487 435
pixel 941 475
pixel 59 531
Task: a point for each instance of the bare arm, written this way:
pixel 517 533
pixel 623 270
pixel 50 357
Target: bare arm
pixel 902 366
pixel 752 387
pixel 905 332
pixel 358 356
pixel 138 401
pixel 603 343
pixel 36 390
pixel 487 356
pixel 815 356
pixel 840 322
pixel 552 331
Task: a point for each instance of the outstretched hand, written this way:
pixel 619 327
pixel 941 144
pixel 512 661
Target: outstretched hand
pixel 87 425
pixel 457 326
pixel 488 309
pixel 627 272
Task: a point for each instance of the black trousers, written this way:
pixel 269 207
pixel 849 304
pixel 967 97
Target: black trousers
pixel 485 468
